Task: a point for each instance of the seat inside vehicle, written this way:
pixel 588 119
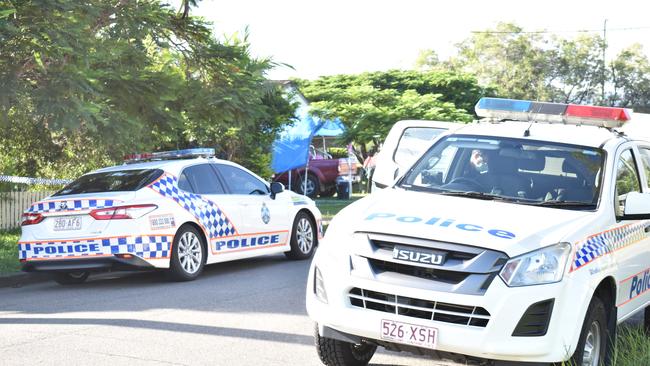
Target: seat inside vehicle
pixel 556 177
pixel 505 178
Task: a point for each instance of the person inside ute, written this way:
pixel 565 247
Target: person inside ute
pixel 498 172
pixel 479 160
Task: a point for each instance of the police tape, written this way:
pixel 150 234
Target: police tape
pixel 28 180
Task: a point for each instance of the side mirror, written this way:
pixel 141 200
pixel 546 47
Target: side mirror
pixel 637 206
pixel 276 187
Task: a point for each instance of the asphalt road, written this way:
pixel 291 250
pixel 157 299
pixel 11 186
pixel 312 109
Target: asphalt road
pixel 250 312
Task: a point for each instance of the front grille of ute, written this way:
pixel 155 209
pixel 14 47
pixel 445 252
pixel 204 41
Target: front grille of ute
pixel 466 269
pixel 451 277
pixel 473 316
pixel 451 254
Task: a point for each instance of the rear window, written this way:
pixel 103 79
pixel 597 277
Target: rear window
pixel 123 180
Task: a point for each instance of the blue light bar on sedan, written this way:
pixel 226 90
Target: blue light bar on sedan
pixel 173 154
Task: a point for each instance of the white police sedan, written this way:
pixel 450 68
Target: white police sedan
pixel 172 213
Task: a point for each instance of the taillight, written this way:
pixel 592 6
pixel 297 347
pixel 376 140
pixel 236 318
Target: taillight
pixel 122 212
pixel 31 219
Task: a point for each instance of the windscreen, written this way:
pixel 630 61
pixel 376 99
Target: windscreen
pixel 122 180
pixel 521 171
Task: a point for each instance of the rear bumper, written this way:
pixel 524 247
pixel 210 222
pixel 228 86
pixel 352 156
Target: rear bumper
pixel 109 263
pixel 153 250
pixel 345 179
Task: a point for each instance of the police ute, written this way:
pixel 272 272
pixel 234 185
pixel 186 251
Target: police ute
pixel 524 237
pixel 177 211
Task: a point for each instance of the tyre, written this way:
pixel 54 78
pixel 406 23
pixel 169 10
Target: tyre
pixel 312 186
pixel 333 352
pixel 188 254
pixel 71 278
pixel 303 237
pixel 594 340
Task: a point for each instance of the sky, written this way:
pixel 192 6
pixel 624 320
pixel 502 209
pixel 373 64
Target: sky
pixel 342 37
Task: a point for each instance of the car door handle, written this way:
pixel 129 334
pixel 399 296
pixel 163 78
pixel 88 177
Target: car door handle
pixel 647 229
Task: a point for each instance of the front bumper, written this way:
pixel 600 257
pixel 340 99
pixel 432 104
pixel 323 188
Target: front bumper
pixel 494 341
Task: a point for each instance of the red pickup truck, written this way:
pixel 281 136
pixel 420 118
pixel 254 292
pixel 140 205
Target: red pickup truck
pixel 322 175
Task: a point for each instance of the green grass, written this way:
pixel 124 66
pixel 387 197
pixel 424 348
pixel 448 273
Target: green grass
pixel 9 251
pixel 331 206
pixel 632 347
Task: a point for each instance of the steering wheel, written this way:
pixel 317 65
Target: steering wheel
pixel 473 184
pixel 257 191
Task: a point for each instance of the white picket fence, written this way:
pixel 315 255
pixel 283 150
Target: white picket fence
pixel 13 204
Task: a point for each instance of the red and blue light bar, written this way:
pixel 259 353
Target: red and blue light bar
pixel 529 111
pixel 167 155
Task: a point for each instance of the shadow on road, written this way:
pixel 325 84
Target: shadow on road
pixel 269 284
pixel 168 326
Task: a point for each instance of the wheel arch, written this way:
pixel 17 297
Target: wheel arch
pixel 606 291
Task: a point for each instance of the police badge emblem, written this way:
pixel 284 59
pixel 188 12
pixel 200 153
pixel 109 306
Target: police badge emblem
pixel 266 214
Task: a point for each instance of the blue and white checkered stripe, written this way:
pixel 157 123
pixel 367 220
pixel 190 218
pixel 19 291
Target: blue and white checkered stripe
pixel 592 248
pixel 71 205
pixel 147 247
pixel 601 244
pixel 206 212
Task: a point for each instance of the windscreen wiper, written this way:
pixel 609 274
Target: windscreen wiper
pixel 474 194
pixel 413 187
pixel 564 203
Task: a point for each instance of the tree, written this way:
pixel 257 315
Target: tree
pixel 630 73
pixel 427 60
pixel 370 103
pixel 83 83
pixel 533 66
pixel 577 71
pixel 507 58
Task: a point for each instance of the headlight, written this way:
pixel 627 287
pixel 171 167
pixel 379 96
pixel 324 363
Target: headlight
pixel 542 266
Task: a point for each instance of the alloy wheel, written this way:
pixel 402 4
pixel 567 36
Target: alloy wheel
pixel 190 253
pixel 305 235
pixel 591 353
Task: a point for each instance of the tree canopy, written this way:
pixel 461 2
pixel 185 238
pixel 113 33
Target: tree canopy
pixel 83 83
pixel 538 66
pixel 370 103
